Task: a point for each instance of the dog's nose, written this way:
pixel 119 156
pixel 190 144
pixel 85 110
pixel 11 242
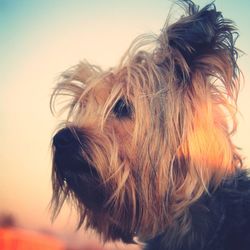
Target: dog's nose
pixel 64 138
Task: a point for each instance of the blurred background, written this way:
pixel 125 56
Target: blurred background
pixel 40 39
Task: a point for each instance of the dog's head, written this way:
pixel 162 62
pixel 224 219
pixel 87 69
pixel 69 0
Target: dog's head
pixel 142 141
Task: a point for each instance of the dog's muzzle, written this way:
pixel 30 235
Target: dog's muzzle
pixel 64 139
pixel 73 168
pixel 67 154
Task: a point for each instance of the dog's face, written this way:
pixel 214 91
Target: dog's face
pixel 142 141
pixel 114 133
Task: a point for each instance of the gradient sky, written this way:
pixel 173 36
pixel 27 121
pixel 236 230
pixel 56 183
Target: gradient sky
pixel 41 38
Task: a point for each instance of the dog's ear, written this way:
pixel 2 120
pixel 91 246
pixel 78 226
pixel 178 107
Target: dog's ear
pixel 198 33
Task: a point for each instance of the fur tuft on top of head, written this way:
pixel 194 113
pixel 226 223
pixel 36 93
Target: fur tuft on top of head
pixel 154 132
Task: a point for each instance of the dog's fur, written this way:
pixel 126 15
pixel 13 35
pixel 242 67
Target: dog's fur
pixel 146 146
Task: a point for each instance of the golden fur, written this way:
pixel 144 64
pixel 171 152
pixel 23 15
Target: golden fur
pixel 176 142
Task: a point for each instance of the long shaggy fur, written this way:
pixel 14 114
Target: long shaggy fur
pixel 153 133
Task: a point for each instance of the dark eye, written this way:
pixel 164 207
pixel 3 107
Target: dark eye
pixel 122 109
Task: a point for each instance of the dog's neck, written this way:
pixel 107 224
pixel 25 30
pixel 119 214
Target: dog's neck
pixel 214 217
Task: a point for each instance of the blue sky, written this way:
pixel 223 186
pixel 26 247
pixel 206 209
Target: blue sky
pixel 24 24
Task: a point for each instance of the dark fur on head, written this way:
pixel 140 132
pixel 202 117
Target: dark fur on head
pixel 144 140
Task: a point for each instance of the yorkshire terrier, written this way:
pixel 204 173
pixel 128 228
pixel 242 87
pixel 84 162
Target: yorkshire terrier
pixel 146 151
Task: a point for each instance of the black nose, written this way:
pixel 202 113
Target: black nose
pixel 64 138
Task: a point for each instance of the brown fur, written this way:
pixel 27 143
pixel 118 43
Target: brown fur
pixel 148 166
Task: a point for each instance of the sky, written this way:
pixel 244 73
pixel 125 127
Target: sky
pixel 38 41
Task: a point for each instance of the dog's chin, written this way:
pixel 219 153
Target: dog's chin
pixel 74 177
pixel 127 238
pixel 81 179
pixel 83 184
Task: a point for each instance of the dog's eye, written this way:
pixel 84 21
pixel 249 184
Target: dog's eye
pixel 122 109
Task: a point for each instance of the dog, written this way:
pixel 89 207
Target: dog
pixel 146 152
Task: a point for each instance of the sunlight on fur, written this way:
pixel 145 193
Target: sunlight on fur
pixel 154 133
